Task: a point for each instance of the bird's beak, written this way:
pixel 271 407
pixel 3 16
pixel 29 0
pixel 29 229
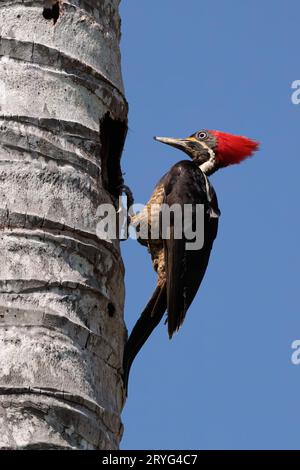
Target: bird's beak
pixel 181 144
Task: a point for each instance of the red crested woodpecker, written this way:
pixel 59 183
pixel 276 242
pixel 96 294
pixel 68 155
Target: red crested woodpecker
pixel 180 271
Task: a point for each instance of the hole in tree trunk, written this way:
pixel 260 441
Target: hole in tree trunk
pixel 51 12
pixel 112 136
pixel 111 309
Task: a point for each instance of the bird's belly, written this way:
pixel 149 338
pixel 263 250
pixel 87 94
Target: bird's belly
pixel 158 260
pixel 147 222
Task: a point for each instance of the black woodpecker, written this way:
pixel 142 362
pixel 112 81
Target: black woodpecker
pixel 180 271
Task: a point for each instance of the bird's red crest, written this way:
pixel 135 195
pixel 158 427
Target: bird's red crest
pixel 232 149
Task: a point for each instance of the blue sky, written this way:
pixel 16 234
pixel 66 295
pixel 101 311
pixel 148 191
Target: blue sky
pixel 226 380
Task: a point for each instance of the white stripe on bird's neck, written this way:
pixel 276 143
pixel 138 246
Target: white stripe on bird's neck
pixel 209 166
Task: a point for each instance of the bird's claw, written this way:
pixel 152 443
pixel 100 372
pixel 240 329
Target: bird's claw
pixel 124 189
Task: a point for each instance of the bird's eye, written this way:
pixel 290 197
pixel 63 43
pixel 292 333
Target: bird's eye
pixel 202 135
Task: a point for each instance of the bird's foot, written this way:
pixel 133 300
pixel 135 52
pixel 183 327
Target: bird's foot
pixel 124 189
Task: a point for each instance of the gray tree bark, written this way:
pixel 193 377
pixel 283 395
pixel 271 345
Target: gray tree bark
pixel 62 128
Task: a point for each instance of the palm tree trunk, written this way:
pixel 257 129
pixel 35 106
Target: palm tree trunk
pixel 62 124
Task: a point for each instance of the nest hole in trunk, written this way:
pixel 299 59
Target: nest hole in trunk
pixel 51 12
pixel 112 135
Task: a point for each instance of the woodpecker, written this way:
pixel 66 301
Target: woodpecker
pixel 180 271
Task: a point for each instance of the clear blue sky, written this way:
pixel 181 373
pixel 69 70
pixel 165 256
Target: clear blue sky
pixel 226 380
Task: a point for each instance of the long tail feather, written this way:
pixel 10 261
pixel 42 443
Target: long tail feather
pixel 143 328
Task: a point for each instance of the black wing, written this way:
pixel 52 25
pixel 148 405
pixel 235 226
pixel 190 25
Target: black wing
pixel 185 269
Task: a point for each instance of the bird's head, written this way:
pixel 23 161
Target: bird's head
pixel 212 150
